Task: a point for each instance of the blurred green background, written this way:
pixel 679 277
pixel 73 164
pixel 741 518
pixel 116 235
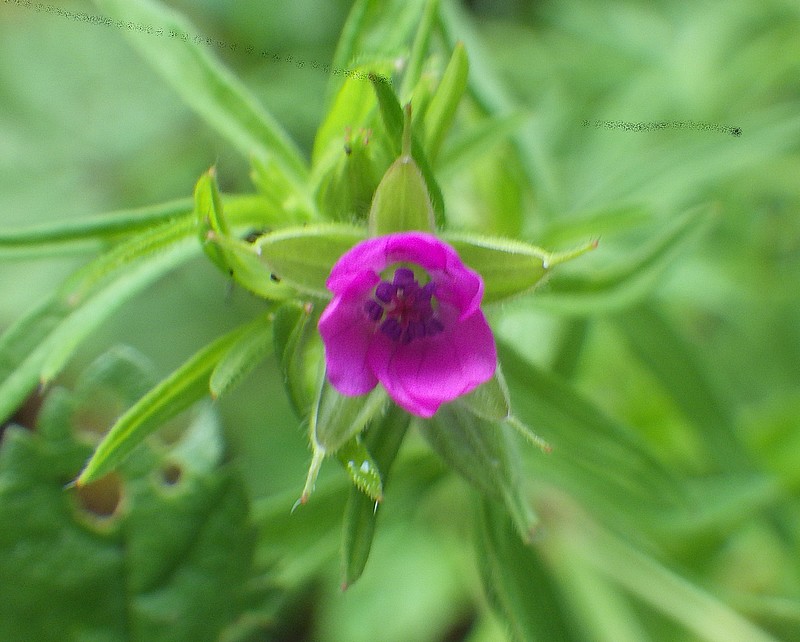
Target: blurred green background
pixel 703 364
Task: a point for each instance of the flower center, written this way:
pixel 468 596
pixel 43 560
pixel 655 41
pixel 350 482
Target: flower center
pixel 402 309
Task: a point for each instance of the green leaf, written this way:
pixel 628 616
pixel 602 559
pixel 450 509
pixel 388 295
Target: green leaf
pixel 576 542
pixel 247 212
pixel 617 287
pixel 600 459
pixel 207 86
pixel 420 47
pixel 177 392
pixel 518 584
pixel 37 347
pixel 251 348
pixel 508 267
pixel 148 245
pixel 118 559
pixel 466 148
pixel 383 440
pixel 304 256
pixel 482 452
pixel 88 315
pixel 109 226
pixel 678 366
pixel 280 194
pixel 442 109
pixel 391 114
pixel 346 48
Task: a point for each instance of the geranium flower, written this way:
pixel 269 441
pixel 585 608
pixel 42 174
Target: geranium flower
pixel 406 313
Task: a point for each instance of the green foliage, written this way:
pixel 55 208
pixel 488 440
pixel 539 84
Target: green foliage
pixel 629 474
pixel 162 549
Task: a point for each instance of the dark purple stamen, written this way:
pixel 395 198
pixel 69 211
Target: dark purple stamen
pixel 403 277
pixel 403 310
pixel 385 291
pixel 391 328
pixel 374 310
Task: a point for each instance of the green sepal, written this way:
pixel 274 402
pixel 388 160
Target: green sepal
pixel 508 267
pixel 398 122
pixel 352 109
pixel 235 257
pixel 482 452
pixel 401 201
pixel 442 109
pixel 361 468
pixel 490 400
pixel 336 419
pixel 246 268
pixel 303 256
pixel 297 352
pixel 348 185
pixel 209 218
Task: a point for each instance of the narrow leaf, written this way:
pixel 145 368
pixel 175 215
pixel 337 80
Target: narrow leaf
pixel 615 288
pixel 107 226
pixel 519 585
pixel 37 347
pixel 420 46
pixel 481 139
pixel 442 109
pixel 392 115
pixel 206 85
pixel 677 365
pixel 252 347
pixel 600 459
pixel 482 452
pixel 177 392
pixel 383 441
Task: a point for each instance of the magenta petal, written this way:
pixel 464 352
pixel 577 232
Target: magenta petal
pixel 422 362
pixel 346 333
pixel 462 288
pixel 456 283
pixel 424 374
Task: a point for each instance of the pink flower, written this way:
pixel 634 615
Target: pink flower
pixel 406 313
